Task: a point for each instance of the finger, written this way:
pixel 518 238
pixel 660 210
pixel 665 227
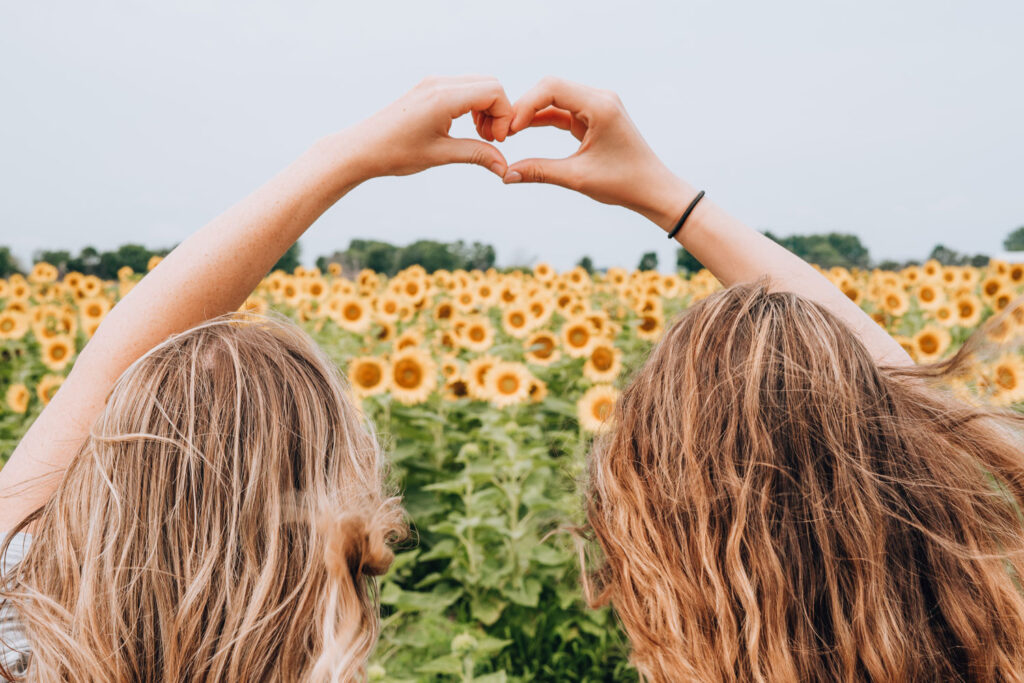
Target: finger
pixel 466 151
pixel 487 97
pixel 567 95
pixel 488 128
pixel 551 171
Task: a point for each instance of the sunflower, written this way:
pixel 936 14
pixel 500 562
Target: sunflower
pixel 43 272
pixel 991 286
pixel 651 327
pixel 507 384
pixel 930 343
pixel 907 343
pixel 385 331
pixel 47 387
pixel 153 262
pixel 58 352
pixel 94 309
pixel 578 337
pixel 315 288
pixel 465 300
pixel 368 375
pixel 968 310
pixel 542 348
pixel 604 364
pixel 930 296
pixel 413 376
pixel 894 301
pixel 125 273
pixel 540 309
pixel 945 315
pixel 444 311
pixel 1007 379
pixel 412 337
pixel 476 375
pixel 538 390
pixel 456 388
pixel 450 368
pixel 17 398
pixel 544 272
pixel 477 334
pixel 334 269
pixel 254 304
pixel 350 313
pixel 389 306
pixel 517 321
pixel 13 325
pixel 595 408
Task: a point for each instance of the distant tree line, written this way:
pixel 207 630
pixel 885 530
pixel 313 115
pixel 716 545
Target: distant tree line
pixel 388 258
pixel 825 249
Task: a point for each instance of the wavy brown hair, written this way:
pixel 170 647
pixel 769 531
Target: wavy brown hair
pixel 223 521
pixel 771 505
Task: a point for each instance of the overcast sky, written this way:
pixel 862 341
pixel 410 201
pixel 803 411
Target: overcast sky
pixel 902 122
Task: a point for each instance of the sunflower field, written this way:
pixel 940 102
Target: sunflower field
pixel 486 389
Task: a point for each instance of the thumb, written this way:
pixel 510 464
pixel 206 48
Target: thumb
pixel 551 171
pixel 465 151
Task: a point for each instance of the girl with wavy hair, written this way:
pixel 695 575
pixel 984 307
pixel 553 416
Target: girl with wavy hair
pixel 201 501
pixel 783 495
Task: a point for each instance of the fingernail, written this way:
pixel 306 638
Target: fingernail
pixel 513 177
pixel 498 169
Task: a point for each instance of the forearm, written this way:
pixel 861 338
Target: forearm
pixel 210 273
pixel 735 253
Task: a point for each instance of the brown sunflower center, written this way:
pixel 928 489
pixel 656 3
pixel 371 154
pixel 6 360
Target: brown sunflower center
pixel 603 358
pixel 929 344
pixel 477 333
pixel 578 337
pixel 517 320
pixel 369 375
pixel 602 408
pixel 1006 378
pixel 508 384
pixel 352 312
pixel 408 374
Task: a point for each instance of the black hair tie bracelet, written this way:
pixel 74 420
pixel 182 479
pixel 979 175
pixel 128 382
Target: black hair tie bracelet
pixel 686 214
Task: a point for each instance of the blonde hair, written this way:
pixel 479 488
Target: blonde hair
pixel 223 521
pixel 773 506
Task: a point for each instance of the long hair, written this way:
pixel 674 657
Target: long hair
pixel 224 520
pixel 771 505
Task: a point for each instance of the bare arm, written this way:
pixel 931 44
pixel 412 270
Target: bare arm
pixel 214 270
pixel 615 165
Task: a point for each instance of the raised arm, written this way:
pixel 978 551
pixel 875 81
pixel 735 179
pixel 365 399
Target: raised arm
pixel 615 165
pixel 214 270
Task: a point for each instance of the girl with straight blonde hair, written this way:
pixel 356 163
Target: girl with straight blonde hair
pixel 783 496
pixel 201 501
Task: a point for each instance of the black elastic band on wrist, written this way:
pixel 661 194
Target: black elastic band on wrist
pixel 686 214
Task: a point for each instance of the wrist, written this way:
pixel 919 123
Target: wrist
pixel 666 199
pixel 341 160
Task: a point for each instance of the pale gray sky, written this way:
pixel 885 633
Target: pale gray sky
pixel 139 121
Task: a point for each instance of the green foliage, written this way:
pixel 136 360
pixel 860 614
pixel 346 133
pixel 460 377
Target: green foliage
pixel 586 264
pixel 649 261
pixel 1015 240
pixel 8 264
pixel 432 255
pixel 289 260
pixel 951 257
pixel 687 262
pixel 826 250
pixel 488 588
pixel 103 264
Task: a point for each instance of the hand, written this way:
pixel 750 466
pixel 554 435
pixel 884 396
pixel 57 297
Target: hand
pixel 411 134
pixel 613 164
